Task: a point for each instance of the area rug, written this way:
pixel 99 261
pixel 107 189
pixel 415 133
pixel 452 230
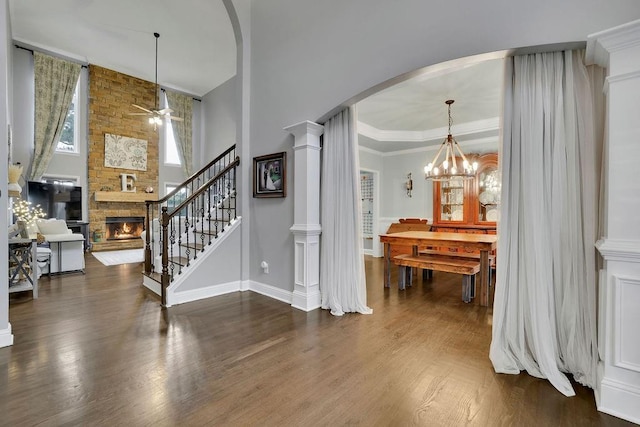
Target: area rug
pixel 127 256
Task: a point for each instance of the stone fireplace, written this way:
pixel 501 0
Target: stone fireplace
pixel 110 99
pixel 124 227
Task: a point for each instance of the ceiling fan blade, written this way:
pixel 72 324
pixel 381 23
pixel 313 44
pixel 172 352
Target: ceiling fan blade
pixel 143 109
pixel 175 119
pixel 137 114
pixel 164 111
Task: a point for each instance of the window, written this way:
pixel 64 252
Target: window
pixel 68 142
pixel 171 156
pixel 177 198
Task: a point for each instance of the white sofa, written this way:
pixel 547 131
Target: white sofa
pixel 67 248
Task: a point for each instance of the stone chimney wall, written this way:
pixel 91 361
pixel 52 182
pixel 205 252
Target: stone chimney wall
pixel 111 95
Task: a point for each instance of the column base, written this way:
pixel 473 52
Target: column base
pixel 306 301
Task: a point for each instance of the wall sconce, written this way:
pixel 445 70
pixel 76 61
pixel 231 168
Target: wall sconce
pixel 409 184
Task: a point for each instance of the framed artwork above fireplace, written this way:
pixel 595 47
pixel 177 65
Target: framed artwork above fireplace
pixel 124 152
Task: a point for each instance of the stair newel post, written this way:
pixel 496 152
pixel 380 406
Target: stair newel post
pixel 147 243
pixel 165 255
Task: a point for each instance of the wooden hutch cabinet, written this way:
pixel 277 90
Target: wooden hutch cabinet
pixel 469 205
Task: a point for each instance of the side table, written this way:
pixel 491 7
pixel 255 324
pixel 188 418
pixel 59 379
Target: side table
pixel 23 274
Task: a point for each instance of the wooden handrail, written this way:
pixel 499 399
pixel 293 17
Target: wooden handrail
pixel 202 189
pixel 194 176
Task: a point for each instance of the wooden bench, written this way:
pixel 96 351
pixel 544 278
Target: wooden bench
pixel 426 274
pixel 449 264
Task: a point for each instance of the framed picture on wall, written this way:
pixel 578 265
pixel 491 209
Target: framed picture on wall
pixel 270 175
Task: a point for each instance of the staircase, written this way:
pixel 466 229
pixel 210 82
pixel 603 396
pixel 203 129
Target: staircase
pixel 188 224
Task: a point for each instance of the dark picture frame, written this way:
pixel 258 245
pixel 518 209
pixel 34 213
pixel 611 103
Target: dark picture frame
pixel 270 175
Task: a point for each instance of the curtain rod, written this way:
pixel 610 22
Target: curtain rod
pixel 192 97
pixel 51 54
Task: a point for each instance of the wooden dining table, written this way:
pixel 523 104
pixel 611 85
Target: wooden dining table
pixel 461 241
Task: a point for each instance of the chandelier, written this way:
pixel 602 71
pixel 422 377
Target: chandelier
pixel 454 164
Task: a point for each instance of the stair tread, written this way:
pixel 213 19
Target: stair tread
pixel 180 260
pixel 193 245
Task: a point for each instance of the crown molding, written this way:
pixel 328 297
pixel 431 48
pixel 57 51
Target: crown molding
pixel 465 145
pixel 462 129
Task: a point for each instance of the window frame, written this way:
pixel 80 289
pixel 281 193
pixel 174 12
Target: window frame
pixel 76 123
pixel 170 141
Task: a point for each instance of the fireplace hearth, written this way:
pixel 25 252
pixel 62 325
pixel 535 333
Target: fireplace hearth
pixel 124 227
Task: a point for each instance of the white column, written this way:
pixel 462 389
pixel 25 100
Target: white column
pixel 306 215
pixel 618 387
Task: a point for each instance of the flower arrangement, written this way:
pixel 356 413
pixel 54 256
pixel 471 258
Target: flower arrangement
pixel 25 212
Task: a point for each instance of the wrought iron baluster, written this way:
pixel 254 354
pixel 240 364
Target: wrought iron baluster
pixel 171 243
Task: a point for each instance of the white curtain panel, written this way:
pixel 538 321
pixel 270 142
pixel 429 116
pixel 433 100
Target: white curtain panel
pixel 544 318
pixel 342 278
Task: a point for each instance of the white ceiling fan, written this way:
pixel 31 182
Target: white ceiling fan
pixel 155 114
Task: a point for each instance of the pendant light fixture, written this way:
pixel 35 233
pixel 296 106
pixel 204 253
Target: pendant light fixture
pixel 156 115
pixel 454 164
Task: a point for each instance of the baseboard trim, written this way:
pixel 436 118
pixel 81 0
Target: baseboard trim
pixel 620 400
pixel 226 288
pixel 271 291
pixel 6 337
pixel 202 293
pixel 152 285
pixel 306 302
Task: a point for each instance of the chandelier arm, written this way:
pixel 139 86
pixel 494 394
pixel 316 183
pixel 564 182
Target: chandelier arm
pixel 435 159
pixel 454 157
pixel 449 157
pixel 464 158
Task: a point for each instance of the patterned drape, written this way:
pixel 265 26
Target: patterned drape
pixel 182 106
pixel 55 83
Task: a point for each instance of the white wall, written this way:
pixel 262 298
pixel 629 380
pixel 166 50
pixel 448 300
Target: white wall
pixel 309 57
pixel 23 106
pixel 220 114
pixel 396 204
pixel 6 337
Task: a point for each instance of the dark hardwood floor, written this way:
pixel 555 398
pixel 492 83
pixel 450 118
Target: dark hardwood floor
pixel 97 349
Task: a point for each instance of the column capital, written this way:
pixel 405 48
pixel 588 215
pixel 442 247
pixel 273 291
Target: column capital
pixel 601 44
pixel 306 127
